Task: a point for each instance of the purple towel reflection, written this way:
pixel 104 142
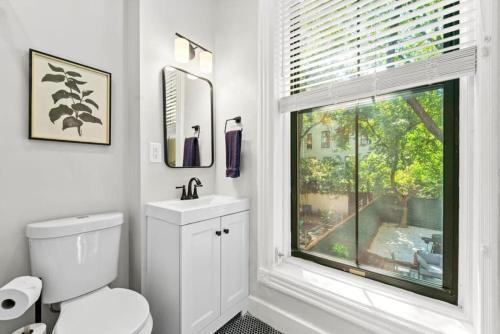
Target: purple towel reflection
pixel 233 153
pixel 191 152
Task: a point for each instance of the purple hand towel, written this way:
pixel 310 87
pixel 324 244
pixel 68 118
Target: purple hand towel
pixel 191 152
pixel 233 153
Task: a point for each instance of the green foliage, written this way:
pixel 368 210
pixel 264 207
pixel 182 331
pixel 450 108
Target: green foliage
pixel 339 250
pixel 404 158
pixel 80 110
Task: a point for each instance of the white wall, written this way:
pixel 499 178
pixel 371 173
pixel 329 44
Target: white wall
pixel 41 180
pixel 159 20
pixel 236 93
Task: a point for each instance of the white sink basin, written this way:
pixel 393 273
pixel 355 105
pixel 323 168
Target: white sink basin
pixel 191 211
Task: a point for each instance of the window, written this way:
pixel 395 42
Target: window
pixel 309 141
pixel 364 140
pixel 388 209
pixel 325 139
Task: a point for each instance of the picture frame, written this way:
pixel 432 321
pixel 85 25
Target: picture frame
pixel 68 101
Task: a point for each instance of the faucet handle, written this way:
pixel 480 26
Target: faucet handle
pixel 183 196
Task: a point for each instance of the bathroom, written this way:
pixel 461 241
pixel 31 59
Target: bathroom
pixel 134 41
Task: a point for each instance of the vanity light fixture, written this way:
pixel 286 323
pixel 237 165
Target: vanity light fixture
pixel 206 59
pixel 185 50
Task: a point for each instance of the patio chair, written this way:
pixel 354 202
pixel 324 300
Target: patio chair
pixel 429 264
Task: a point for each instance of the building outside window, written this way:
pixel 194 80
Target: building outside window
pixel 309 141
pixel 325 139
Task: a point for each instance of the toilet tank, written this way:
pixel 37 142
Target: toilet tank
pixel 74 256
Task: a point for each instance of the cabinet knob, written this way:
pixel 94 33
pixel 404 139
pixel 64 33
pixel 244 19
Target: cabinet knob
pixel 218 233
pixel 226 230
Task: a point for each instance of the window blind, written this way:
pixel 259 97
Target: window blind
pixel 336 50
pixel 171 83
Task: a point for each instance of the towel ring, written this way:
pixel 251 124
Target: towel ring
pixel 196 129
pixel 236 119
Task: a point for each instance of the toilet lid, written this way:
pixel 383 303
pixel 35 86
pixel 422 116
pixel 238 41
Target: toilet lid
pixel 112 311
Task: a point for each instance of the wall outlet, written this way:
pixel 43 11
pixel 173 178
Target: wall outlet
pixel 154 152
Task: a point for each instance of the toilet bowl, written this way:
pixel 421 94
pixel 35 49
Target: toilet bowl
pixel 105 311
pixel 76 259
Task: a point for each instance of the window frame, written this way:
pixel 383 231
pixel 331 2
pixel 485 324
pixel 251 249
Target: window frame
pixel 449 292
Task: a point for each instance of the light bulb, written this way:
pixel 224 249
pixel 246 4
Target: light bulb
pixel 181 50
pixel 206 62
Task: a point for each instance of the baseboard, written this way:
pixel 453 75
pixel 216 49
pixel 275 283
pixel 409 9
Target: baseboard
pixel 279 319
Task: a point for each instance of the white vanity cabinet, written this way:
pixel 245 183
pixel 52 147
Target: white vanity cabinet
pixel 196 273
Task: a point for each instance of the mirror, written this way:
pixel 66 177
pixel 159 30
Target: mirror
pixel 187 119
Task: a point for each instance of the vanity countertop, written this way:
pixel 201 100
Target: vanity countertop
pixel 190 211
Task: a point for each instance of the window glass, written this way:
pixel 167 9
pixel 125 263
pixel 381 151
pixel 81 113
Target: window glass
pixel 327 185
pixel 376 200
pixel 400 188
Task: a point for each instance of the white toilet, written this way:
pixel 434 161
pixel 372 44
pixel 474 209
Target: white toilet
pixel 77 258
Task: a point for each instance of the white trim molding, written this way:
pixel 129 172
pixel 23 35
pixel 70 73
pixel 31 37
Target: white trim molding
pixel 281 320
pixel 486 175
pixel 377 307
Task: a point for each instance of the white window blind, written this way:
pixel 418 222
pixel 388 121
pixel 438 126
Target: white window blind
pixel 171 88
pixel 336 50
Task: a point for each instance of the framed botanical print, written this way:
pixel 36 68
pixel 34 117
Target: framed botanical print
pixel 69 102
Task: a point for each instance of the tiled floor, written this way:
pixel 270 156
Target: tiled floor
pixel 246 324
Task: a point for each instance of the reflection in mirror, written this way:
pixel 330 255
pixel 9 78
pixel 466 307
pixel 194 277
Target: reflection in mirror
pixel 188 119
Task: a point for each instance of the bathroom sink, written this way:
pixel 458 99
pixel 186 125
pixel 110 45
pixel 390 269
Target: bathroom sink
pixel 191 211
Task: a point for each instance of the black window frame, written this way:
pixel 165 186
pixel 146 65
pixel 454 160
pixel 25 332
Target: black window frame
pixel 449 291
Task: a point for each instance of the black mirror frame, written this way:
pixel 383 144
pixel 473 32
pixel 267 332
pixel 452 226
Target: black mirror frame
pixel 165 146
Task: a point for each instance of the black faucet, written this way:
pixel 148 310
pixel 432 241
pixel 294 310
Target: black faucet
pixel 183 196
pixel 192 194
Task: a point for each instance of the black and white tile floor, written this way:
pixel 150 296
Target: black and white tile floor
pixel 247 324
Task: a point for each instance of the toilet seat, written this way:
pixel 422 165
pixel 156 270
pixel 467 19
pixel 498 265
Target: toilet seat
pixel 106 311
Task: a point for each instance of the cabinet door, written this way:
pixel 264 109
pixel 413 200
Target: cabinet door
pixel 234 259
pixel 200 280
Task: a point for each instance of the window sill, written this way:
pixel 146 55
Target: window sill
pixel 373 305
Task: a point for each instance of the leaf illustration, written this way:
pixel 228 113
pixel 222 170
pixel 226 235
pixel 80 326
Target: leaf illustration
pixel 55 68
pixel 87 93
pixel 53 78
pixel 89 118
pixel 63 94
pixel 74 74
pixel 57 112
pixel 81 107
pixel 71 122
pixel 90 101
pixel 72 85
pixel 78 82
